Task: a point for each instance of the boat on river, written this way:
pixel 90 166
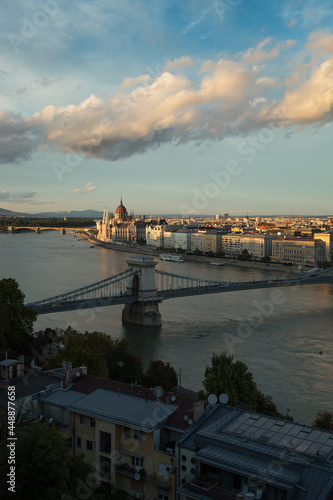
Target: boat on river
pixel 171 257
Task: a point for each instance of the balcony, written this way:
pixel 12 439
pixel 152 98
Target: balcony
pixel 168 448
pixel 157 480
pixel 212 489
pixel 128 471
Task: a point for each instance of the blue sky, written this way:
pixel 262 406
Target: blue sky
pixel 193 107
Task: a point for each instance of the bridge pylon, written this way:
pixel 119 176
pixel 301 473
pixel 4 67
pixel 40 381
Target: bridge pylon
pixel 145 311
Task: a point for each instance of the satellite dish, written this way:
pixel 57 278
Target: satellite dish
pixel 223 398
pixel 212 399
pixel 158 391
pixel 190 421
pixel 137 476
pixel 173 398
pixel 186 418
pixel 78 374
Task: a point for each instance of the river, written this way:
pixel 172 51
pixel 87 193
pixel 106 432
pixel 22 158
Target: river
pixel 278 337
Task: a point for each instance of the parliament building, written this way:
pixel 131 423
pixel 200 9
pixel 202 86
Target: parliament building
pixel 120 227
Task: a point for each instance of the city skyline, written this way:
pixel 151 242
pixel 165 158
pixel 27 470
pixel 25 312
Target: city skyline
pixel 185 109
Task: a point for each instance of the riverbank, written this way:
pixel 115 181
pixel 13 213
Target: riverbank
pixel 144 250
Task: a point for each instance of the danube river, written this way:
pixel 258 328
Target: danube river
pixel 280 340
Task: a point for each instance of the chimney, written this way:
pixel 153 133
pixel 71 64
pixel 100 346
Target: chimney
pixel 198 409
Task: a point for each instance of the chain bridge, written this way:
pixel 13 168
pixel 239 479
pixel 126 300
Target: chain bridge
pixel 141 288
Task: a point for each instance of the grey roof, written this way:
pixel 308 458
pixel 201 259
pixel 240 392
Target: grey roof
pixel 9 362
pixel 247 444
pixel 253 466
pixel 123 409
pixel 317 483
pixel 29 384
pixel 62 397
pixel 273 431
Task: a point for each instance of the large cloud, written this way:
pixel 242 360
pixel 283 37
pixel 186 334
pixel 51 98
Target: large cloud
pixel 225 97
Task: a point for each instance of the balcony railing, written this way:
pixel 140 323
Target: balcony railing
pixel 168 449
pixel 212 489
pixel 128 471
pixel 157 480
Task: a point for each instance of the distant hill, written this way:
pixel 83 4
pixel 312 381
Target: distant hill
pixel 69 214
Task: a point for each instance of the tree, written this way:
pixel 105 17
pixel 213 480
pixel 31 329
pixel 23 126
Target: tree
pixel 265 405
pixel 16 319
pixel 103 356
pixel 324 420
pixel 160 373
pixel 44 467
pixel 231 377
pixel 244 255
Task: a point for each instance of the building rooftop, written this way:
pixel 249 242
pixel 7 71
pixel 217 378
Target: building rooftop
pixel 142 414
pixel 246 444
pixel 31 383
pixel 183 405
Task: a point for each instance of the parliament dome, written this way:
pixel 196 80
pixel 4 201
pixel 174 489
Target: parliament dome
pixel 121 211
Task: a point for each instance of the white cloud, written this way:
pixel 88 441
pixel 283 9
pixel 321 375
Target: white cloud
pixel 258 55
pixel 17 197
pixel 172 108
pixel 86 189
pixel 182 62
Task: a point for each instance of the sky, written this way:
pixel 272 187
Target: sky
pixel 192 107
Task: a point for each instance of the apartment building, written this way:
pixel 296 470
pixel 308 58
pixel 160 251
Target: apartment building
pixel 258 245
pixel 155 235
pixel 299 250
pixel 183 240
pixel 127 433
pixel 327 238
pixel 234 454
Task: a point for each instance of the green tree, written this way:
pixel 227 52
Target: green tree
pixel 244 255
pixel 16 319
pixel 44 467
pixel 265 405
pixel 231 377
pixel 324 420
pixel 160 373
pixel 103 356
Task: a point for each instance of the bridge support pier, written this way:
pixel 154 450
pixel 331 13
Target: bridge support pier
pixel 145 311
pixel 63 231
pixel 142 314
pixel 37 230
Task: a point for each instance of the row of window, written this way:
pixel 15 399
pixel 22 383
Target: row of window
pixel 105 437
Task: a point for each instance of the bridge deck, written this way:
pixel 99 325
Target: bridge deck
pixel 70 301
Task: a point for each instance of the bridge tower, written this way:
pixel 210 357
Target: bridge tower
pixel 145 311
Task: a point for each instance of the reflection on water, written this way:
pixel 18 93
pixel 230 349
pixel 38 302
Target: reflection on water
pixel 282 350
pixel 144 339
